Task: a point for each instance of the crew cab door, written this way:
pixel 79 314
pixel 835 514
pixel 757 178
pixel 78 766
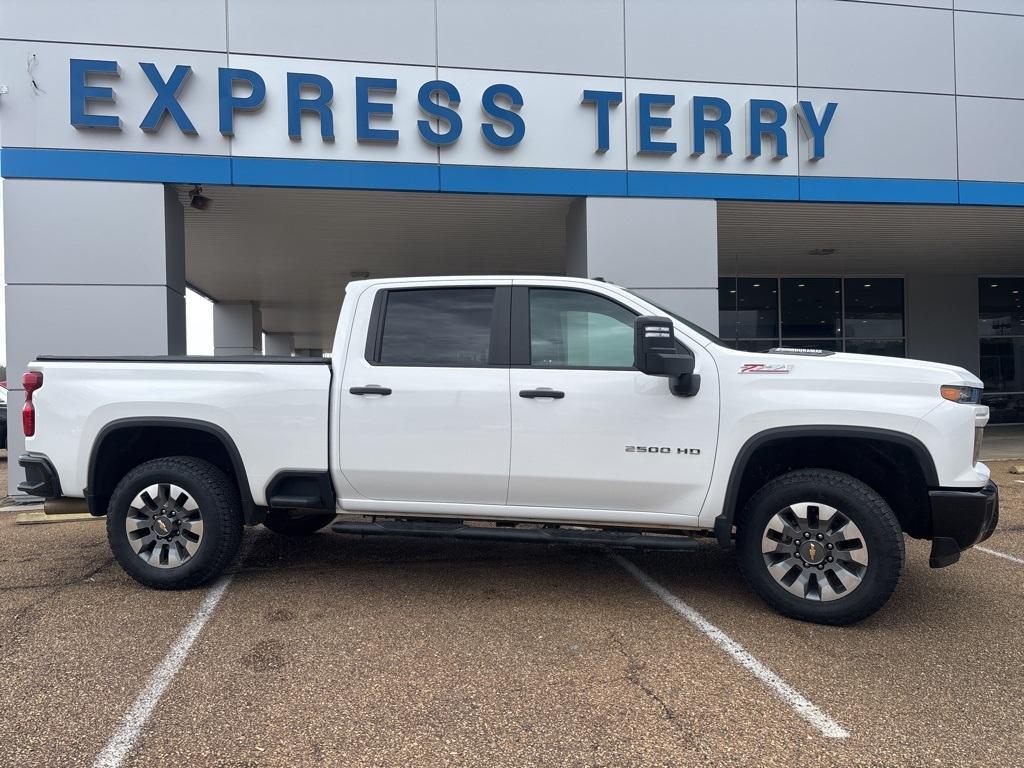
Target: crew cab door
pixel 607 437
pixel 424 402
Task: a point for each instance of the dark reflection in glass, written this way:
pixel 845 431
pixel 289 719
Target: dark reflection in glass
pixel 1004 408
pixel 811 307
pixel 999 305
pixel 884 347
pixel 1002 364
pixel 757 308
pixel 438 326
pixel 727 307
pixel 874 308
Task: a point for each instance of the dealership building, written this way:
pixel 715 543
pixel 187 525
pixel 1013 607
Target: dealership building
pixel 834 174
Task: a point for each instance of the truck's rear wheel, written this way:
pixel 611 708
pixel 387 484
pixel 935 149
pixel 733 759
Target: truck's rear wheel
pixel 287 524
pixel 175 522
pixel 821 546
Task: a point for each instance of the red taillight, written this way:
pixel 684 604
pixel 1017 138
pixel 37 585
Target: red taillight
pixel 30 381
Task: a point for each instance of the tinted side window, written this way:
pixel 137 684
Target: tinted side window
pixel 574 329
pixel 438 326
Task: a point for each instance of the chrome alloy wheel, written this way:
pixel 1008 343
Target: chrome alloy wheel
pixel 814 551
pixel 164 525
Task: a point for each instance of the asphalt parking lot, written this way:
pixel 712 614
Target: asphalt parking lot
pixel 371 652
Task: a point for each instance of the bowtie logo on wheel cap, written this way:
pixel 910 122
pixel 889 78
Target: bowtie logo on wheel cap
pixel 813 552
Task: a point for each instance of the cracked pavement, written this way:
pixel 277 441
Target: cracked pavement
pixel 337 650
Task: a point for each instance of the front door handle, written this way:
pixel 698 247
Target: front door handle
pixel 373 389
pixel 554 394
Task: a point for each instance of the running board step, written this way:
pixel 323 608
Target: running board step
pixel 529 535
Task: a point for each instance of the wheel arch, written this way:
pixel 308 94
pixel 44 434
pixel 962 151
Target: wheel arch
pixel 736 495
pixel 178 436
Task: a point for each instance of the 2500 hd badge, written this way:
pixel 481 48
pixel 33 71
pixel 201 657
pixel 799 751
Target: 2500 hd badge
pixel 662 449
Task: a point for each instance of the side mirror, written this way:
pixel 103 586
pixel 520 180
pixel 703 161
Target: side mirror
pixel 656 354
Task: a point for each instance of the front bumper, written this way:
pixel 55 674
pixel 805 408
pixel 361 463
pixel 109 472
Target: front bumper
pixel 40 476
pixel 961 519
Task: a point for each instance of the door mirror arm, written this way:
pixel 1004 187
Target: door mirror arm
pixel 655 353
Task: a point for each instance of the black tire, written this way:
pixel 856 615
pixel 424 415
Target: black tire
pixel 879 530
pixel 282 522
pixel 221 509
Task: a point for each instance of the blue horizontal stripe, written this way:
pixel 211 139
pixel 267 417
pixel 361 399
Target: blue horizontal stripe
pixel 532 181
pixel 850 190
pixel 98 165
pixel 105 165
pixel 722 186
pixel 334 174
pixel 991 193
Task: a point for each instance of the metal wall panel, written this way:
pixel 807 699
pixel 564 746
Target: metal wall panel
pixel 741 41
pixel 987 126
pixel 400 31
pixel 944 4
pixel 560 133
pixel 681 131
pixel 197 24
pixel 880 47
pixel 885 135
pixel 568 36
pixel 989 54
pixel 34 119
pixel 265 134
pixel 990 6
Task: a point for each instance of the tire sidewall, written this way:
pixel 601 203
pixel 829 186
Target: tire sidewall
pixel 864 508
pixel 215 526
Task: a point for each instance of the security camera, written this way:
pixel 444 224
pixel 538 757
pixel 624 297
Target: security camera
pixel 198 200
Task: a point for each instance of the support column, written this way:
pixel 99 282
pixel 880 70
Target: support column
pixel 279 344
pixel 666 250
pixel 92 268
pixel 237 328
pixel 942 319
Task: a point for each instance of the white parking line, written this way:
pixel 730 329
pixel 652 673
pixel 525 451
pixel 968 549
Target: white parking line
pixel 1003 555
pixel 808 711
pixel 132 723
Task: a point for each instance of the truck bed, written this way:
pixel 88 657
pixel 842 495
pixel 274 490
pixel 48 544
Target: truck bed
pixel 273 409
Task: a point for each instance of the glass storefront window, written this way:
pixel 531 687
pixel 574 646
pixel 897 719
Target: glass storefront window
pixel 853 314
pixel 1001 341
pixel 999 304
pixel 884 347
pixel 873 308
pixel 811 307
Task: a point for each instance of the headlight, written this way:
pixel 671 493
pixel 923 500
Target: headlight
pixel 958 394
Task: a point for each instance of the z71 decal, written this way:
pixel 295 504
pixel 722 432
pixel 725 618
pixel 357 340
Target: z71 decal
pixel 766 368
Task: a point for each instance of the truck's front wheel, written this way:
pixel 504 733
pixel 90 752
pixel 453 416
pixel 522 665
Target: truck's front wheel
pixel 175 522
pixel 820 545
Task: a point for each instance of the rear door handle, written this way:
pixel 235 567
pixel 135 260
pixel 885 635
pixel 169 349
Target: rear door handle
pixel 373 389
pixel 554 394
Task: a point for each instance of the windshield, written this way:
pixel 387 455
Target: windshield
pixel 691 325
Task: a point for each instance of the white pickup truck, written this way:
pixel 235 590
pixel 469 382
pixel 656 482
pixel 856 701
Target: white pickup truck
pixel 545 409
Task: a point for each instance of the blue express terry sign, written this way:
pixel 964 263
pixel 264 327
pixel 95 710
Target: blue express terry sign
pixel 439 122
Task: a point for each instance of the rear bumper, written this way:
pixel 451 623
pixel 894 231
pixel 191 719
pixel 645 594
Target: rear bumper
pixel 961 519
pixel 40 476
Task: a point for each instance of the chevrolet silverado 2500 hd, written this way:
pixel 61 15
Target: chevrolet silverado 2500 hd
pixel 545 409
